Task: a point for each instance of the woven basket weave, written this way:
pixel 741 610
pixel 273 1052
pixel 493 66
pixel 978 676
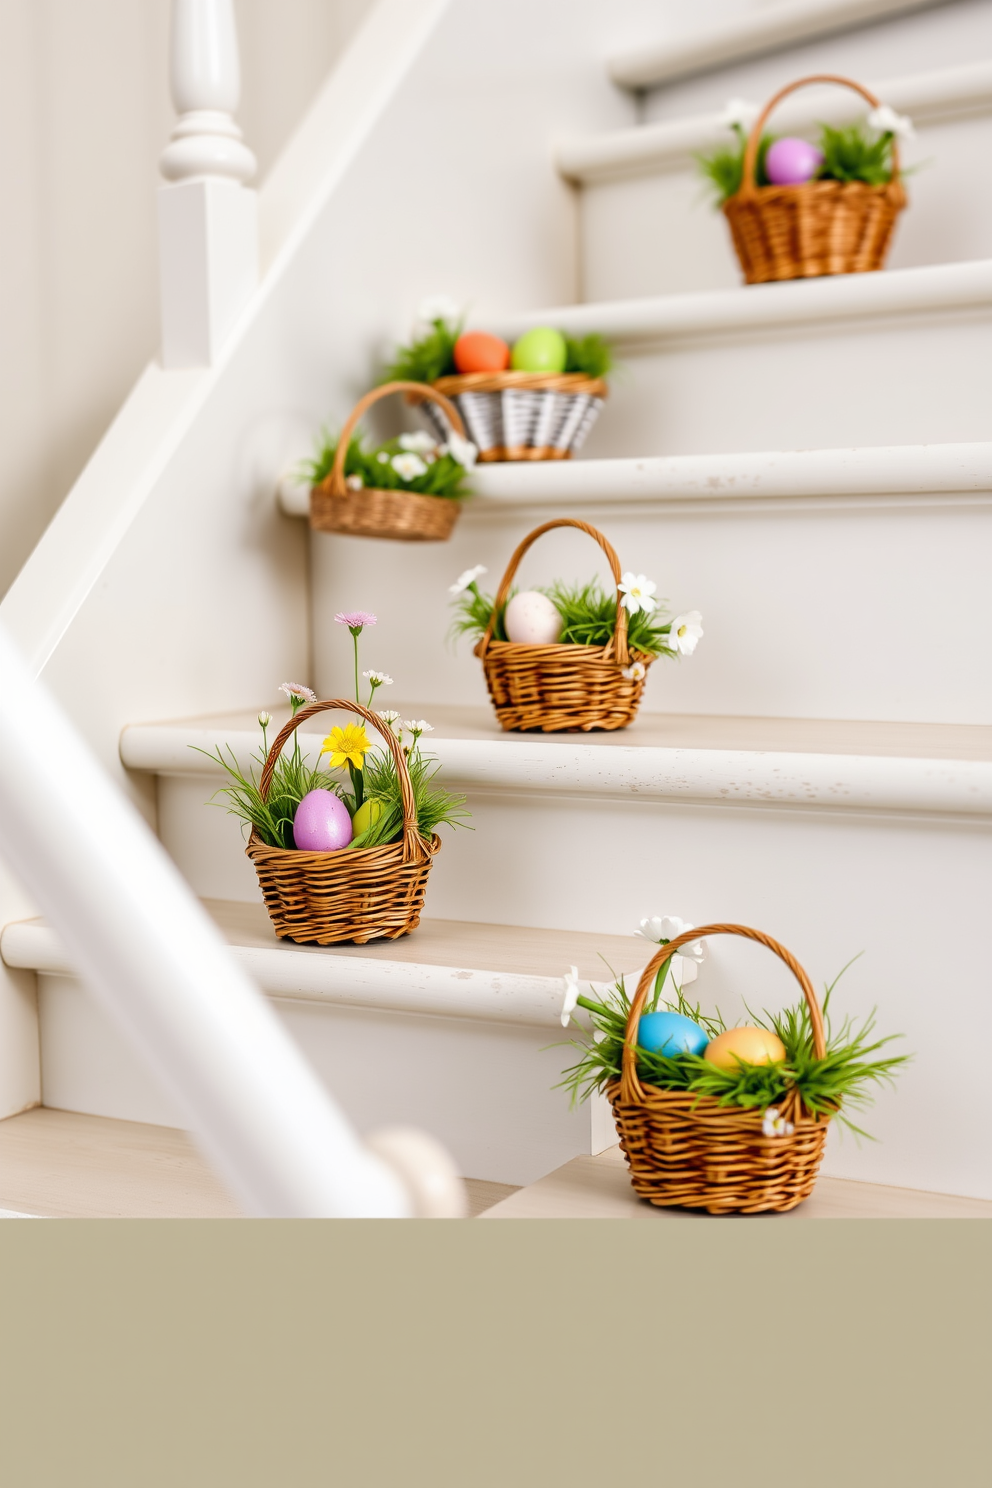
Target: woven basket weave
pixel 687 1150
pixel 369 893
pixel 405 516
pixel 817 228
pixel 524 415
pixel 561 688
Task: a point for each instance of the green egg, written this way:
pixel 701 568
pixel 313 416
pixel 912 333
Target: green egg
pixel 366 816
pixel 540 350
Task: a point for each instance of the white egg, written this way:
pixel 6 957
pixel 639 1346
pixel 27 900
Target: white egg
pixel 532 620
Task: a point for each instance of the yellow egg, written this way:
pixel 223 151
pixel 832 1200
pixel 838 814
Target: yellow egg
pixel 366 816
pixel 744 1046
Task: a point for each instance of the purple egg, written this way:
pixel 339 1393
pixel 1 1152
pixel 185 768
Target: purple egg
pixel 790 162
pixel 321 823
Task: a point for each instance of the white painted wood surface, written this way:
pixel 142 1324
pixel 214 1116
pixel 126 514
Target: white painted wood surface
pixel 208 222
pixel 753 34
pixel 945 93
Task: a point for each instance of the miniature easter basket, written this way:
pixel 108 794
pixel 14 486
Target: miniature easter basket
pixel 818 227
pixel 361 894
pixel 405 516
pixel 523 415
pixel 562 688
pixel 689 1150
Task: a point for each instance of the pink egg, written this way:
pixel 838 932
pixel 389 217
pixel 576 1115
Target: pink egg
pixel 790 162
pixel 321 823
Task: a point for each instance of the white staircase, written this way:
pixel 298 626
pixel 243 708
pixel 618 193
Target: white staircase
pixel 809 464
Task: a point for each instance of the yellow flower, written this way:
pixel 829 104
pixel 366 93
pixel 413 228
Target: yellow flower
pixel 347 746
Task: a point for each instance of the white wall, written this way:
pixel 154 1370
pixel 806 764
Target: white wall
pixel 84 113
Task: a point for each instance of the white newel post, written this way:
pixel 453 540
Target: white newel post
pixel 207 217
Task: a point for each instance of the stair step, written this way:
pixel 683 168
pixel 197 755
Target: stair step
pixel 788 23
pixel 807 763
pixel 64 1165
pixel 894 472
pixel 599 1188
pixel 455 969
pixel 943 94
pixel 756 308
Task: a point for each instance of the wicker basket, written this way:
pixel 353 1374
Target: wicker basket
pixel 371 893
pixel 403 515
pixel 523 415
pixel 687 1150
pixel 562 688
pixel 820 227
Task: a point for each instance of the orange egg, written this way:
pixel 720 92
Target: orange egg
pixel 477 351
pixel 744 1046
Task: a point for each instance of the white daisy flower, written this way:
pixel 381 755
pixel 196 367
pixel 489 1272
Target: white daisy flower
pixel 354 482
pixel 382 457
pixel 408 466
pixel 437 307
pixel 393 719
pixel 739 111
pixel 636 672
pixel 571 980
pixel 887 121
pixel 685 633
pixel 418 726
pixel 774 1124
pixel 378 679
pixel 264 719
pixel 462 450
pixel 636 593
pixel 297 690
pixel 468 577
pixel 419 442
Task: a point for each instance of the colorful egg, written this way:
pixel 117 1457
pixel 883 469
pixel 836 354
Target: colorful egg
pixel 530 619
pixel 366 816
pixel 790 162
pixel 744 1046
pixel 540 350
pixel 322 823
pixel 477 351
pixel 670 1034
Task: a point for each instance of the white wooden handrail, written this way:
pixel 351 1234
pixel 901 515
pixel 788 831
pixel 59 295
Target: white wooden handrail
pixel 159 967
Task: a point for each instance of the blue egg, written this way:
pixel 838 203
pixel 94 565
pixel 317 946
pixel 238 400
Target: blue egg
pixel 670 1034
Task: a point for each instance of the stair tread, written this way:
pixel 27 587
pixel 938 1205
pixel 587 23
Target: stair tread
pixel 599 1188
pixel 66 1165
pixel 848 737
pixel 745 308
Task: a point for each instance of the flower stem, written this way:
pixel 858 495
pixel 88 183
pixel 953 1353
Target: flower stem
pixel 357 783
pixel 355 633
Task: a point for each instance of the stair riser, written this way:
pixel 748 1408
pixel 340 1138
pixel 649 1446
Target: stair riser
pixel 943 35
pixel 908 379
pixel 656 234
pixel 817 608
pixel 483 1090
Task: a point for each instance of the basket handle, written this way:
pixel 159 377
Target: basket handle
pixel 413 844
pixel 333 484
pixel 748 186
pixel 629 1084
pixel 619 641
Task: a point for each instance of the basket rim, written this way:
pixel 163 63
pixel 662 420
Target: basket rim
pixel 323 493
pixel 356 855
pixel 709 1106
pixel 537 382
pixel 551 649
pixel 766 195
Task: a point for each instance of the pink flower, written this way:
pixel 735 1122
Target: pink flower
pixel 355 619
pixel 297 690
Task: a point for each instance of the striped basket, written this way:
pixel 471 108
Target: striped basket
pixel 522 415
